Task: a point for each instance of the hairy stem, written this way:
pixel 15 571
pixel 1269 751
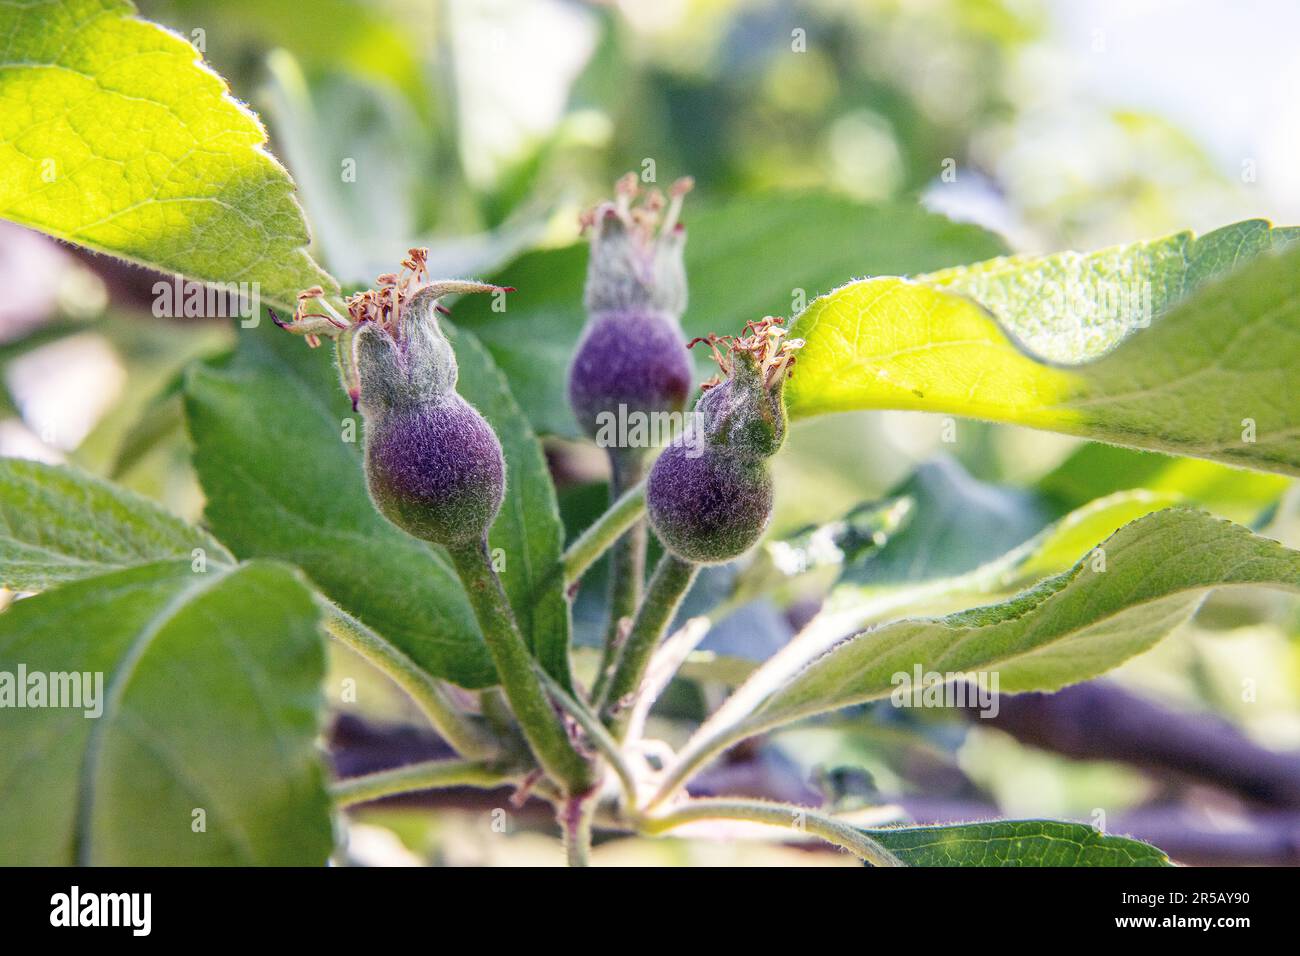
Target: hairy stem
pixel 600 737
pixel 541 725
pixel 597 539
pixel 672 579
pixel 775 814
pixel 626 560
pixel 575 828
pixel 452 724
pixel 428 775
pixel 496 712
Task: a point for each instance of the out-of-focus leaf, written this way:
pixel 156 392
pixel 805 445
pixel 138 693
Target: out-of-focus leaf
pixel 953 525
pixel 207 700
pixel 59 524
pixel 154 354
pixel 1096 470
pixel 375 40
pixel 367 171
pixel 114 136
pixel 356 150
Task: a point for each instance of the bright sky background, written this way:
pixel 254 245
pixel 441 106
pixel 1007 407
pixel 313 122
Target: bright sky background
pixel 1228 73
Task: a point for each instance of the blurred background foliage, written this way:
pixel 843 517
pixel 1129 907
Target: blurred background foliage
pixel 481 128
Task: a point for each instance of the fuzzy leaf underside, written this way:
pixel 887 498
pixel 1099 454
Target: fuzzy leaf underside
pixel 59 524
pixel 1065 629
pixel 210 702
pixel 115 136
pixel 1071 306
pixel 1211 377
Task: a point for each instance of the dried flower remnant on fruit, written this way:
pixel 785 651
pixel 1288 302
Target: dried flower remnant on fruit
pixel 637 239
pixel 433 465
pixel 380 308
pixel 743 408
pixel 631 358
pixel 709 498
pixel 763 340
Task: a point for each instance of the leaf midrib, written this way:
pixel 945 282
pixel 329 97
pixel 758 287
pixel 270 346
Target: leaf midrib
pixel 114 692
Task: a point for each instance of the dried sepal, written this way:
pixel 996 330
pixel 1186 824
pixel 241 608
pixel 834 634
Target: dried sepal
pixel 383 309
pixel 383 305
pixel 763 341
pixel 637 243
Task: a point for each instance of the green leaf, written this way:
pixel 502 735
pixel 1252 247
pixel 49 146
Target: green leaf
pixel 269 428
pixel 58 524
pixel 1066 629
pixel 953 524
pixel 366 224
pixel 1070 307
pixel 745 259
pixel 894 558
pixel 1015 843
pixel 1221 349
pixel 528 531
pixel 1096 470
pixel 210 701
pixel 115 136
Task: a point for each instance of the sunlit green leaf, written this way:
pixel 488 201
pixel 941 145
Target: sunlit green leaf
pixel 113 135
pixel 1211 377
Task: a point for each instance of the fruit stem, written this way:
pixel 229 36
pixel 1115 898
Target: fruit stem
pixel 801 819
pixel 671 580
pixel 575 827
pixel 427 775
pixel 541 724
pixel 598 538
pixel 626 561
pixel 596 733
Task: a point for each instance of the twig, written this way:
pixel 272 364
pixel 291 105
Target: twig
pixel 431 774
pixel 598 538
pixel 774 814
